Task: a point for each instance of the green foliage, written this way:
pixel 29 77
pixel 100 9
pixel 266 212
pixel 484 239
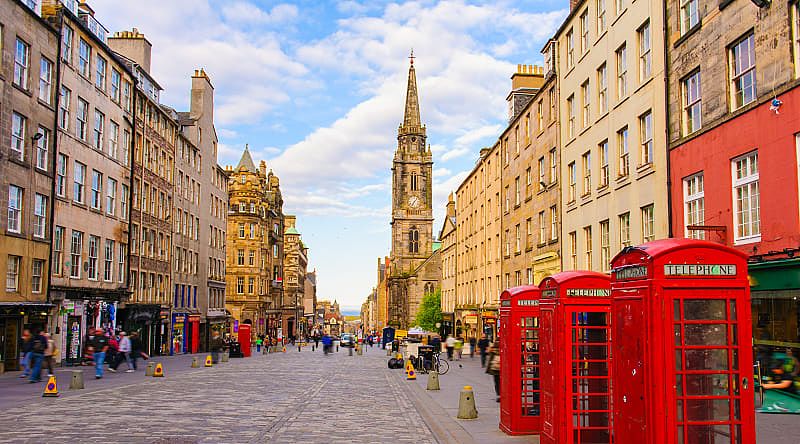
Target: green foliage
pixel 430 311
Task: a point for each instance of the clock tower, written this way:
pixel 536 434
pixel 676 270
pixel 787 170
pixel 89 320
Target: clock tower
pixel 412 179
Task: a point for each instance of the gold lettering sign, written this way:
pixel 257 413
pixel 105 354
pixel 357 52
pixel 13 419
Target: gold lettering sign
pixel 700 270
pixel 630 272
pixel 602 292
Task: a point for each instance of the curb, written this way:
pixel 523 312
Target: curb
pixel 445 429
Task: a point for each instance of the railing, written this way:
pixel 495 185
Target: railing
pixel 94 26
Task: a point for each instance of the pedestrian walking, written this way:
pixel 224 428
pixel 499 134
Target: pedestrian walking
pixel 327 344
pixel 216 346
pixel 493 368
pixel 38 347
pixel 123 354
pixel 472 347
pixel 98 345
pixel 483 344
pixel 450 343
pixel 259 341
pixel 136 349
pixel 50 353
pixel 26 353
pixel 458 347
pixel 113 351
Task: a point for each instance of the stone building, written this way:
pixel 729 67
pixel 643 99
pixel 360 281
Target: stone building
pixel 28 89
pixel 295 264
pixel 530 181
pixel 92 178
pixel 310 300
pixel 382 293
pixel 148 310
pixel 733 71
pixel 448 237
pixel 478 249
pixel 254 248
pixel 609 60
pixel 199 218
pixel 415 263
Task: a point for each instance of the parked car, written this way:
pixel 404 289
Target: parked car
pixel 347 340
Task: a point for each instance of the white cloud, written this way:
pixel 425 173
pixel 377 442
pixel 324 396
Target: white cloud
pixel 244 12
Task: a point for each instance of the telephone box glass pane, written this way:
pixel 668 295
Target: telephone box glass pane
pixel 708 434
pixel 706 334
pixel 529 365
pixel 704 309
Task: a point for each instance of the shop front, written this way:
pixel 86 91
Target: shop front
pixel 775 293
pixel 79 311
pixel 179 326
pixel 14 318
pixel 448 324
pixel 489 324
pixel 152 324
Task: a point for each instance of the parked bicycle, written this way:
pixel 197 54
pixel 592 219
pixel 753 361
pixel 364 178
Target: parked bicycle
pixel 435 363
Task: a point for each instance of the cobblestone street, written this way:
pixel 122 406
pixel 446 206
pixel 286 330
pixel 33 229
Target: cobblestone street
pixel 281 397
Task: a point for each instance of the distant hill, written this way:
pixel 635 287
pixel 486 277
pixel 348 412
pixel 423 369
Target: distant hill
pixel 351 317
pixel 347 313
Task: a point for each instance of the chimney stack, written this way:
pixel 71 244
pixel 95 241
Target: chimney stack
pixel 524 84
pixel 132 45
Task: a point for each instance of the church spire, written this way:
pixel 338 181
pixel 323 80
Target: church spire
pixel 411 117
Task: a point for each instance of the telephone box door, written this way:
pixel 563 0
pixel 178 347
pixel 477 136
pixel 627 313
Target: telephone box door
pixel 713 372
pixel 589 387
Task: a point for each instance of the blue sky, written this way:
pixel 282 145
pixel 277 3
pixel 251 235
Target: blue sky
pixel 317 90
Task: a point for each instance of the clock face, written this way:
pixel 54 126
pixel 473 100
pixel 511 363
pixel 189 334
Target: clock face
pixel 413 201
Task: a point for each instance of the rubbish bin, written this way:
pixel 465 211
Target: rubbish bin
pixel 235 350
pixel 425 356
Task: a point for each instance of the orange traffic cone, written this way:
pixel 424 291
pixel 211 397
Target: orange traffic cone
pixel 51 389
pixel 412 375
pixel 209 363
pixel 159 371
pixel 284 349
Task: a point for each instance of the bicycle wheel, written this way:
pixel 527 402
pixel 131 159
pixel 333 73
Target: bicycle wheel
pixel 444 367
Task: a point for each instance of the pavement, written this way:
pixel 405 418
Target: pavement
pixel 281 397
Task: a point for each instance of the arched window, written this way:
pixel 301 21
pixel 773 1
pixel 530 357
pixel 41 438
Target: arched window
pixel 413 181
pixel 413 240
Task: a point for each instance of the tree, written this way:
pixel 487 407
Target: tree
pixel 430 311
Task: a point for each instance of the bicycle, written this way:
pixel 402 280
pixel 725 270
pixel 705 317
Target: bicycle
pixel 440 365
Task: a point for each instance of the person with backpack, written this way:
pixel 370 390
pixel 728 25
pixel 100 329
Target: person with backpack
pixel 38 347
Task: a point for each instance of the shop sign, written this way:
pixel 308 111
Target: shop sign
pixel 236 326
pixel 178 319
pixel 528 303
pixel 471 319
pixel 628 273
pixel 583 292
pixel 488 314
pixel 490 321
pixel 714 270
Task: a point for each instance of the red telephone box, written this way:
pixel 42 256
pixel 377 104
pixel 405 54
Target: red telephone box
pixel 682 344
pixel 575 352
pixel 244 339
pixel 519 358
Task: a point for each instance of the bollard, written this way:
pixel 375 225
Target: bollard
pixel 433 380
pixel 360 351
pixel 350 351
pixel 76 383
pixel 388 352
pixel 195 363
pixel 466 404
pixel 151 368
pixel 337 348
pixel 298 349
pixel 226 356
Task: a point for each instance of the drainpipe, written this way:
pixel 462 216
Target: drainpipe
pixel 666 118
pixel 53 163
